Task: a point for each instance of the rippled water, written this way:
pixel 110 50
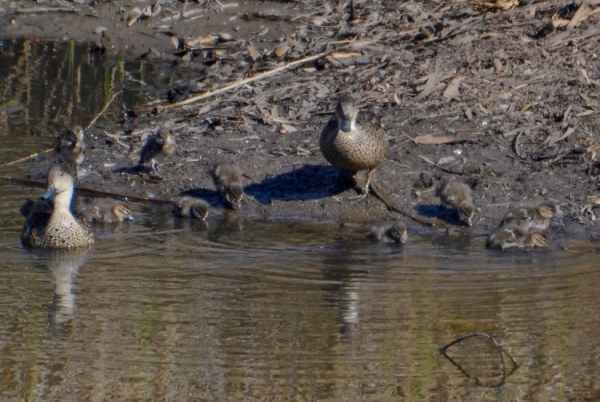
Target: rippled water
pixel 243 309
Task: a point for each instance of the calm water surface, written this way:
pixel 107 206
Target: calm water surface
pixel 243 309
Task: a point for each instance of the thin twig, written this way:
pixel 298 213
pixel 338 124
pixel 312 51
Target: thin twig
pixel 39 183
pixel 47 10
pixel 257 77
pixel 28 157
pixel 392 207
pixel 103 110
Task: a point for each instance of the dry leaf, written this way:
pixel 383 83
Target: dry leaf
pixel 285 128
pixel 292 41
pixel 253 52
pixel 586 113
pixel 497 65
pixel 583 13
pixel 429 139
pixel 281 51
pixel 451 91
pixel 431 85
pixel 205 109
pixel 209 40
pixel 175 41
pixel 344 55
pixel 553 140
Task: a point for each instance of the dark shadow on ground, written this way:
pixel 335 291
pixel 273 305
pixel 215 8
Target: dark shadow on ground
pixel 306 183
pixel 437 211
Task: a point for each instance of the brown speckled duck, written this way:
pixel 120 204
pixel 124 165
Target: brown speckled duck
pixel 353 141
pixel 457 195
pixel 537 218
pixel 190 207
pixel 107 212
pixel 50 223
pixel 394 233
pixel 228 181
pixel 515 236
pixel 157 147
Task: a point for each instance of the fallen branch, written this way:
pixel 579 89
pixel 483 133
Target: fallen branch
pixel 39 183
pixel 391 207
pixel 103 110
pixel 47 10
pixel 245 81
pixel 28 157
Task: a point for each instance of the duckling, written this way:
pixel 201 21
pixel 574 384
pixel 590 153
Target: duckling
pixel 395 233
pixel 228 181
pixel 50 223
pixel 190 207
pixel 157 147
pixel 537 218
pixel 70 147
pixel 515 236
pixel 353 142
pixel 457 195
pixel 107 213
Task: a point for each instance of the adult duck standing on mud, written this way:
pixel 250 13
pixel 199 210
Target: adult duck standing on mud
pixel 353 142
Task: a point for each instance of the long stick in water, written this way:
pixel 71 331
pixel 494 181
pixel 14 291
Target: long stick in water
pixel 39 183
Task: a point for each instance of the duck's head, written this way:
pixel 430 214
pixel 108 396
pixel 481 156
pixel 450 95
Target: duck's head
pixel 60 183
pixel 122 212
pixel 547 209
pixel 466 212
pixel 199 210
pixel 235 195
pixel 346 112
pixel 78 131
pixel 398 232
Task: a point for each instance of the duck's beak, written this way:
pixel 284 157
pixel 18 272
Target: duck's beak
pixel 345 125
pixel 469 222
pixel 238 204
pixel 50 193
pixel 403 238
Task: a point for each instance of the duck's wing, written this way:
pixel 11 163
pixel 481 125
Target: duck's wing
pixel 151 149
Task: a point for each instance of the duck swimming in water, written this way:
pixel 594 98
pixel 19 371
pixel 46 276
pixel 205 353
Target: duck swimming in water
pixel 515 236
pixel 50 223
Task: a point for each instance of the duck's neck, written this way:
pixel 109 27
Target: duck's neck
pixel 63 200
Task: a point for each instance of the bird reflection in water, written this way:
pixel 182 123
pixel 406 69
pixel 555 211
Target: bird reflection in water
pixel 64 266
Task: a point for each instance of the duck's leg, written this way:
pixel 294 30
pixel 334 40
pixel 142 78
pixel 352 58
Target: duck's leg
pixel 365 191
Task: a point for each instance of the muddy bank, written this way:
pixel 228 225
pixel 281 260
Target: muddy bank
pixel 505 100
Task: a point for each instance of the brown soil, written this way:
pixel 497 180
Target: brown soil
pixel 505 100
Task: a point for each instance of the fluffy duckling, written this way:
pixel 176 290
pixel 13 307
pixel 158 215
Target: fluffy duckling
pixel 50 223
pixel 537 218
pixel 228 181
pixel 515 236
pixel 395 233
pixel 157 147
pixel 114 212
pixel 69 146
pixel 190 207
pixel 353 142
pixel 457 195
